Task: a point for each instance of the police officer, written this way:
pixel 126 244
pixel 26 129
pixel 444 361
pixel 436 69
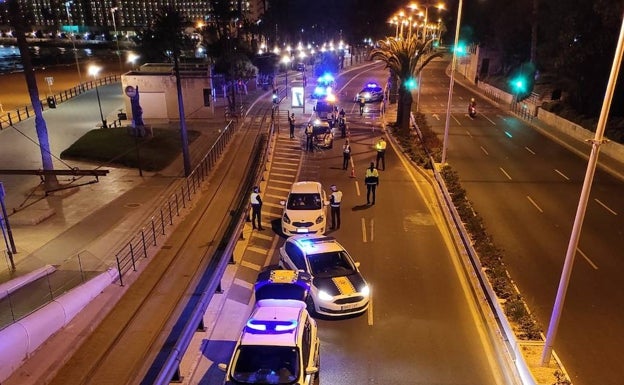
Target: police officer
pixel 334 202
pixel 309 131
pixel 291 123
pixel 381 153
pixel 372 181
pixel 256 206
pixel 346 154
pixel 362 103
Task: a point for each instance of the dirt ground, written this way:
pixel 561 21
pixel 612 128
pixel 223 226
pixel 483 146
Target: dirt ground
pixel 14 92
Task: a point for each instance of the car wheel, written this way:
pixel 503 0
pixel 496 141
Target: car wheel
pixel 310 305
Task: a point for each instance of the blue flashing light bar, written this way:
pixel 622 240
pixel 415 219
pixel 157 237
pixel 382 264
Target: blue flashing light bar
pixel 262 326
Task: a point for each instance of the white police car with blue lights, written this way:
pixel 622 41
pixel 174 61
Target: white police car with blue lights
pixel 371 93
pixel 338 287
pixel 279 343
pixel 305 209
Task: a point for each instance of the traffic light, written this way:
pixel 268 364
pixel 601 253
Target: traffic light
pixel 410 84
pixel 519 84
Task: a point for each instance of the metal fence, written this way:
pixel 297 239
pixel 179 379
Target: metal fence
pixel 163 217
pixel 7 119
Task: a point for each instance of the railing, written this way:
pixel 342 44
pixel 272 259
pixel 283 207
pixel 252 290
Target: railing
pixel 137 247
pixel 7 119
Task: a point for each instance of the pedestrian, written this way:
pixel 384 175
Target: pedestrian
pixel 381 153
pixel 291 123
pixel 309 131
pixel 372 181
pixel 343 127
pixel 334 202
pixel 342 113
pixel 362 103
pixel 256 207
pixel 346 154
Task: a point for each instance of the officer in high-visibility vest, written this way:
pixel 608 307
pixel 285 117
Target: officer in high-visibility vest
pixel 372 181
pixel 381 153
pixel 256 206
pixel 334 202
pixel 309 131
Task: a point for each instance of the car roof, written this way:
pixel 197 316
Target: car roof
pixel 271 312
pixel 306 187
pixel 314 244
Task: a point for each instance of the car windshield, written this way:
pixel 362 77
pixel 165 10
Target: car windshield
pixel 266 365
pixel 310 201
pixel 372 89
pixel 331 264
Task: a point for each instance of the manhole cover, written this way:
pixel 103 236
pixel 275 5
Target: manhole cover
pixel 133 205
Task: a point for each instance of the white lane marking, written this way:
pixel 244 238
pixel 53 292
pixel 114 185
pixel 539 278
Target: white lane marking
pixel 535 204
pixel 485 151
pixel 592 264
pixel 250 265
pixel 457 121
pixel 372 230
pixel 490 120
pixel 468 133
pixel 505 172
pixel 562 174
pixel 357 188
pixel 370 307
pixel 436 116
pixel 605 206
pixel 364 230
pixel 529 150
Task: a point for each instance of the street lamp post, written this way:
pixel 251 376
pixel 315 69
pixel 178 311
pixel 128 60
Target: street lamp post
pixel 72 37
pixel 116 36
pixel 450 95
pixel 93 71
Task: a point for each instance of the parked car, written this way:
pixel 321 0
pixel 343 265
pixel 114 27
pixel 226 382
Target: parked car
pixel 305 209
pixel 338 288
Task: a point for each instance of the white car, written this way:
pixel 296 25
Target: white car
pixel 305 209
pixel 338 288
pixel 372 92
pixel 279 345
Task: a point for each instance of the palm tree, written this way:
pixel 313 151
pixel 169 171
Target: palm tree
pixel 405 57
pixel 17 21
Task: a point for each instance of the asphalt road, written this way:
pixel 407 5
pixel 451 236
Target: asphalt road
pixel 527 189
pixel 421 328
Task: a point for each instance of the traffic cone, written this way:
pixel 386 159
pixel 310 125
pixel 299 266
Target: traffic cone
pixel 352 172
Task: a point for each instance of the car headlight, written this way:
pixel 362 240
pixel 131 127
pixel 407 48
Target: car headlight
pixel 367 95
pixel 323 296
pixel 285 218
pixel 365 291
pixel 319 219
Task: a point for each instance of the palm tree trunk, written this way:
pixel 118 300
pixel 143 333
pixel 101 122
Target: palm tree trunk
pixel 405 107
pixel 15 14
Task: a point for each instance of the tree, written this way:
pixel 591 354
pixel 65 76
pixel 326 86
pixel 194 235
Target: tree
pixel 236 68
pixel 17 22
pixel 405 57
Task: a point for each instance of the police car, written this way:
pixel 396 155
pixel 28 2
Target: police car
pixel 337 288
pixel 305 209
pixel 371 93
pixel 279 343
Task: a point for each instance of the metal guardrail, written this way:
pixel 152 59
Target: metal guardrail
pixel 7 119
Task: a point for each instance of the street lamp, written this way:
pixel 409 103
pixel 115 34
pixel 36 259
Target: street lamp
pixel 67 4
pixel 132 58
pixel 116 36
pixel 286 61
pixel 450 96
pixel 93 71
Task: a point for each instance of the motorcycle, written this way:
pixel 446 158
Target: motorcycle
pixel 472 111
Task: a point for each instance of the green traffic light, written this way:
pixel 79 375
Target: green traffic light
pixel 410 84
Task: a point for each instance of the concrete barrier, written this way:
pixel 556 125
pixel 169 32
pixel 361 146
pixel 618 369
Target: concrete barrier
pixel 19 340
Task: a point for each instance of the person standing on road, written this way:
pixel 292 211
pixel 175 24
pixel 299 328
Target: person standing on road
pixel 346 154
pixel 256 207
pixel 381 153
pixel 291 123
pixel 334 202
pixel 309 137
pixel 362 103
pixel 372 181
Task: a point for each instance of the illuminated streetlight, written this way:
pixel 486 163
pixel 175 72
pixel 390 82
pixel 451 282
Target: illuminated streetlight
pixel 93 71
pixel 132 58
pixel 67 4
pixel 286 61
pixel 116 37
